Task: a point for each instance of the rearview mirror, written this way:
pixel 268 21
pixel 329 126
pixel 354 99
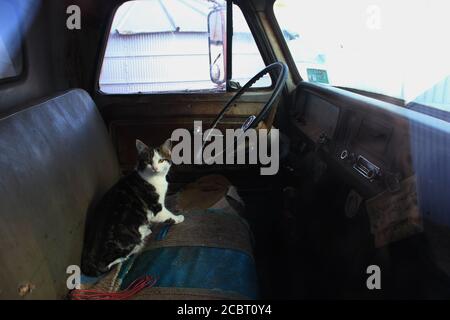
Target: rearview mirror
pixel 217 27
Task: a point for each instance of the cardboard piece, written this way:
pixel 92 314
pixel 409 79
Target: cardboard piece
pixel 395 215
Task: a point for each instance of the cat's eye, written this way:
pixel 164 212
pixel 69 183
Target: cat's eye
pixel 161 161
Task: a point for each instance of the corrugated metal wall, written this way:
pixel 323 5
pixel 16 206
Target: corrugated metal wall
pixel 169 61
pixel 156 62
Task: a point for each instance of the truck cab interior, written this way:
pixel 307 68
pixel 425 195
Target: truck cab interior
pixel 358 94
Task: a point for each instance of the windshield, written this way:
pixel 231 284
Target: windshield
pixel 396 48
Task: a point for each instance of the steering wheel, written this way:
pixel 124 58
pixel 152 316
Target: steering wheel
pixel 253 121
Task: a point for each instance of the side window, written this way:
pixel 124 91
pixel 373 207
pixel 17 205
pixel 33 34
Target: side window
pixel 10 43
pixel 158 46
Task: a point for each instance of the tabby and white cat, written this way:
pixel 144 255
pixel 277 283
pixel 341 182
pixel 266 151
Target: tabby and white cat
pixel 121 221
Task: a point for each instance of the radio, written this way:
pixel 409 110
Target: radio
pixel 366 168
pixel 363 166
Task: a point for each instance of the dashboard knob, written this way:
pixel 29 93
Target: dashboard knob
pixel 344 154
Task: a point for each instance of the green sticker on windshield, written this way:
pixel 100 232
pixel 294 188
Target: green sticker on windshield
pixel 317 75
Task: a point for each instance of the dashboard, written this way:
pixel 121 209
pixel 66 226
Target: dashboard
pixel 394 159
pixel 365 144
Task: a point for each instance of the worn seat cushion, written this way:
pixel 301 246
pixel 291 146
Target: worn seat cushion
pixel 203 265
pixel 209 253
pixel 208 256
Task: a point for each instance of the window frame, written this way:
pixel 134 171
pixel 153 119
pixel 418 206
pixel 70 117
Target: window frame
pixel 229 57
pixel 296 77
pixel 262 41
pixel 21 76
pixel 228 88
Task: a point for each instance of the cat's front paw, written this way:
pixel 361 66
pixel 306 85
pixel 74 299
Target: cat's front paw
pixel 178 219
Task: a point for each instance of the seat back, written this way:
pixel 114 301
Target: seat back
pixel 56 160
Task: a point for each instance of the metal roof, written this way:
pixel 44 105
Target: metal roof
pixel 157 16
pixel 151 16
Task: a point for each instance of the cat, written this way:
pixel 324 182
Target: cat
pixel 121 221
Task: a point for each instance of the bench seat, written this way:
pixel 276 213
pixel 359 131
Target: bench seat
pixel 56 162
pixel 208 256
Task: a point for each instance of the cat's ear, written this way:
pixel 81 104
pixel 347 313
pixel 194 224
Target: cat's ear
pixel 167 147
pixel 140 146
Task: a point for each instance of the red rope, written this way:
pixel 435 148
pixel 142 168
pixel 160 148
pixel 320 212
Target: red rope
pixel 133 289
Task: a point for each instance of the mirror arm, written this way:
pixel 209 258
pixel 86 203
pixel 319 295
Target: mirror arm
pixel 233 85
